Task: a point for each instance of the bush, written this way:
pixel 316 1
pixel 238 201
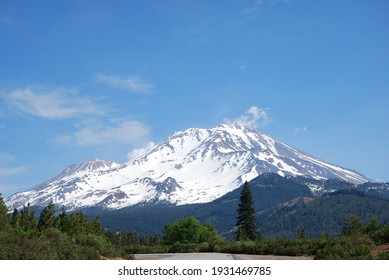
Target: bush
pixel 145 249
pixel 381 235
pixel 61 237
pixel 190 230
pixel 357 247
pixel 383 256
pixel 184 248
pixel 237 247
pixel 52 235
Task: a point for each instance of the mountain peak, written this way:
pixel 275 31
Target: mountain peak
pixel 95 164
pixel 192 166
pixel 234 125
pixel 85 168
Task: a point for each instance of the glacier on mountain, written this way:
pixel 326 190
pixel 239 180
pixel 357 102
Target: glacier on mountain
pixel 192 166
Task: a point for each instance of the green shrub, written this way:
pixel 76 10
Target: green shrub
pixel 145 249
pixel 184 248
pixel 63 237
pixel 383 256
pixel 190 230
pixel 357 247
pixel 380 235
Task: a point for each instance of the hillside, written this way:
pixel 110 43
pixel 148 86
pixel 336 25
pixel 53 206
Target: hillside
pixel 283 205
pixel 323 215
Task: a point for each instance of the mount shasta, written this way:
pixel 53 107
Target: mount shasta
pixel 191 166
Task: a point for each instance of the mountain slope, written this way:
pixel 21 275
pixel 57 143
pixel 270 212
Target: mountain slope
pixel 191 166
pixel 323 215
pixel 267 189
pixel 64 186
pixel 283 205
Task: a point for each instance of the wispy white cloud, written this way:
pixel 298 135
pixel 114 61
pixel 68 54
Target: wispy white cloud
pixel 58 103
pixel 95 133
pixel 254 117
pixel 140 151
pixel 130 83
pixel 9 171
pixel 5 170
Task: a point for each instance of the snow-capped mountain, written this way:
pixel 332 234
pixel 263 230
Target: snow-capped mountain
pixel 192 166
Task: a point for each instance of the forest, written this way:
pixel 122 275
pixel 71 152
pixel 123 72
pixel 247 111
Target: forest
pixel 64 236
pixel 282 206
pixel 23 236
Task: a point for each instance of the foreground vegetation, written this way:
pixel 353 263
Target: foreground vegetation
pixel 357 241
pixel 23 235
pixel 51 236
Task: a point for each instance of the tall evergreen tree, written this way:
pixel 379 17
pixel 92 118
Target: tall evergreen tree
pixel 246 227
pixel 15 218
pixel 352 226
pixel 63 221
pixel 4 217
pixel 27 218
pixel 47 217
pixel 78 223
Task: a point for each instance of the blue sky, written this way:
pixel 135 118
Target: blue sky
pixel 86 79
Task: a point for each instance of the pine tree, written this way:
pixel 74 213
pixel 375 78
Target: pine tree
pixel 63 221
pixel 4 217
pixel 15 218
pixel 352 226
pixel 246 228
pixel 78 223
pixel 47 217
pixel 27 218
pixel 301 234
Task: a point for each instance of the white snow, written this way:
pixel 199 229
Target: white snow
pixel 206 163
